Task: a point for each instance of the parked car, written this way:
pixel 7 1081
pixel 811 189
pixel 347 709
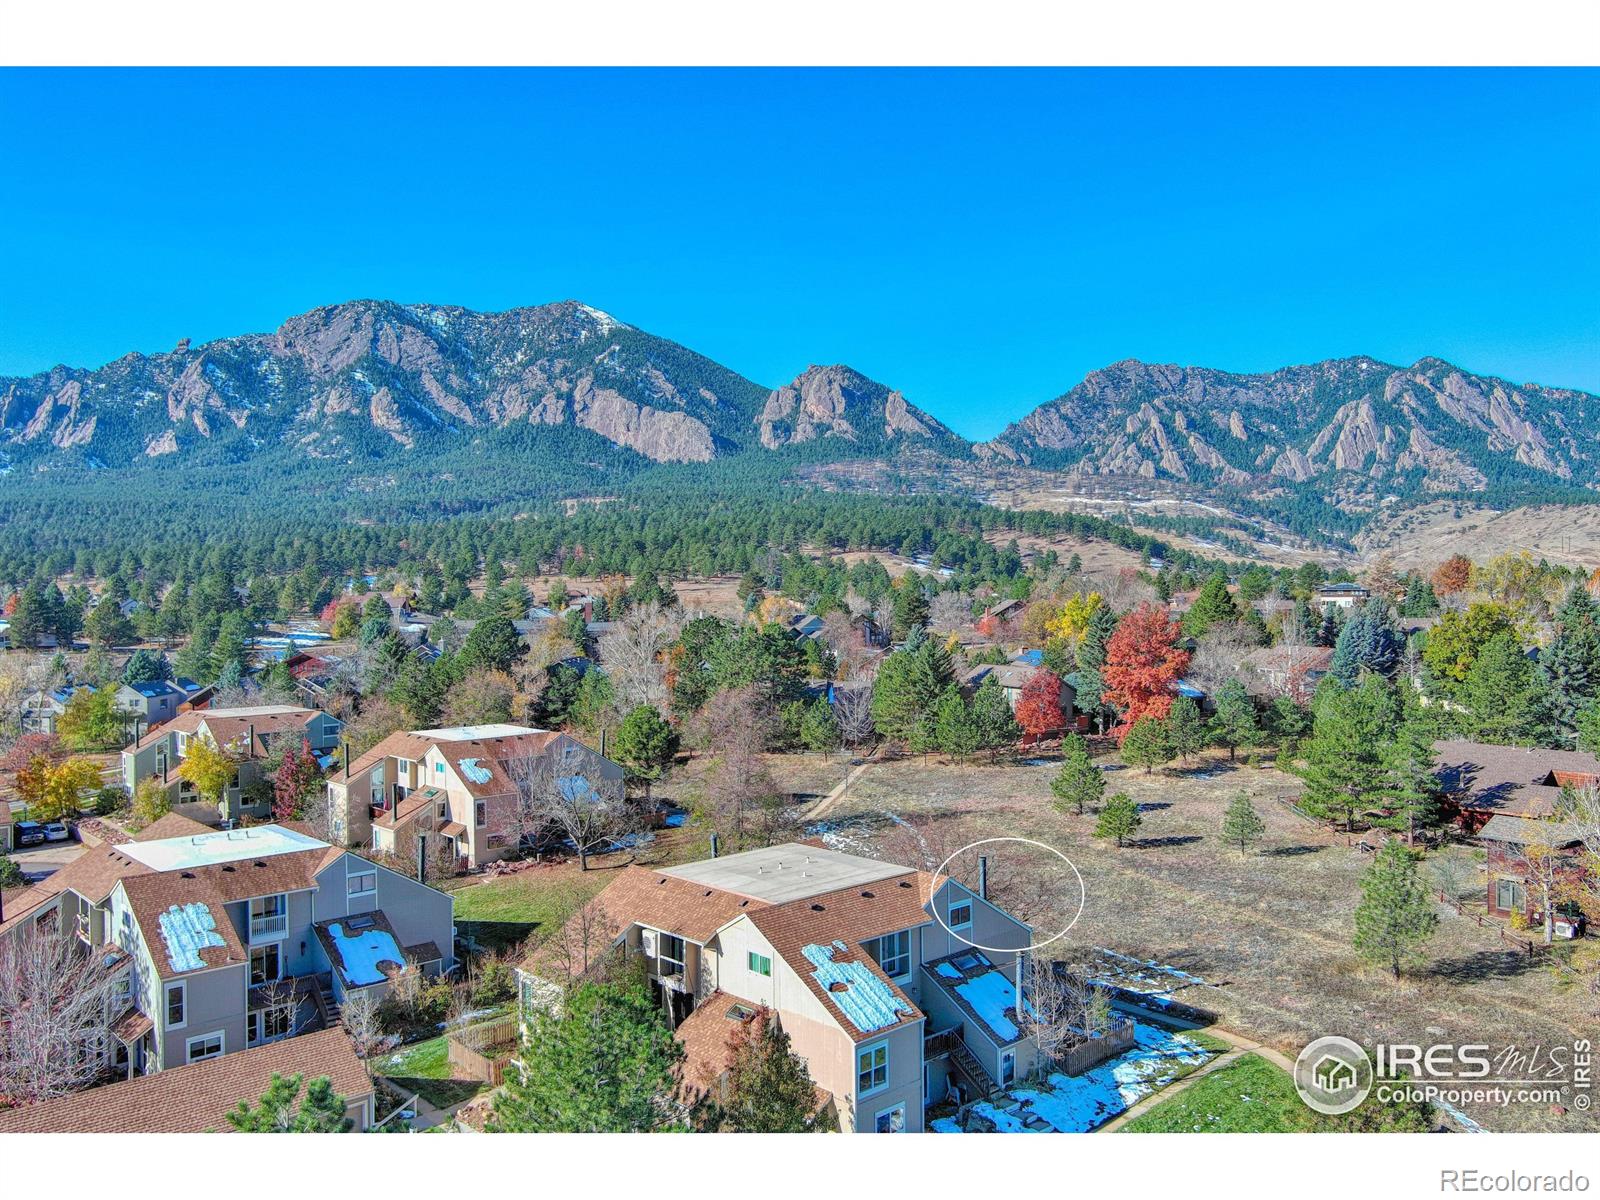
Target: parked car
pixel 56 831
pixel 29 833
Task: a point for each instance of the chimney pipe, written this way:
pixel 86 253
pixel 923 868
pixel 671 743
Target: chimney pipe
pixel 716 843
pixel 422 858
pixel 347 759
pixel 250 743
pixel 983 876
pixel 602 743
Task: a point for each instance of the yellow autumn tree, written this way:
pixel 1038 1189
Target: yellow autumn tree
pixel 64 788
pixel 1075 615
pixel 208 767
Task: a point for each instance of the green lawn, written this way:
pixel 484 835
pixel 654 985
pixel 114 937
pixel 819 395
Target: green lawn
pixel 1247 1096
pixel 501 913
pixel 424 1068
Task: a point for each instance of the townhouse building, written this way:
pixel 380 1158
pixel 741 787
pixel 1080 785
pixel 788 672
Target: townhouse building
pixel 897 987
pixel 463 785
pixel 224 940
pixel 249 734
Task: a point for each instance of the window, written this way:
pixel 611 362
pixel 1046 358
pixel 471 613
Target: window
pixel 1008 1068
pixel 121 994
pixel 890 1120
pixel 83 922
pixel 671 954
pixel 760 964
pixel 480 814
pixel 271 1024
pixel 961 916
pixel 176 997
pixel 872 1068
pixel 1508 895
pixel 265 964
pixel 893 953
pixel 207 1045
pixel 363 884
pixel 268 916
pixel 438 768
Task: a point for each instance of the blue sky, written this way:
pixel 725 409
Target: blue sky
pixel 978 239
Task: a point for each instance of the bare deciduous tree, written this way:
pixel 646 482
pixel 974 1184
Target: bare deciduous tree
pixel 1064 1009
pixel 548 796
pixel 359 1014
pixel 735 726
pixel 56 1004
pixel 852 708
pixel 949 611
pixel 631 655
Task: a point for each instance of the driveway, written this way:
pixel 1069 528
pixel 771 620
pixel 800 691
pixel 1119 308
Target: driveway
pixel 37 862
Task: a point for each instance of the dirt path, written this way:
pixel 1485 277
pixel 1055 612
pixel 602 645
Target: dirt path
pixel 838 793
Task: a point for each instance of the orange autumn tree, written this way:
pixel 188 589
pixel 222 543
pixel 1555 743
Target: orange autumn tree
pixel 1453 575
pixel 1143 664
pixel 1039 706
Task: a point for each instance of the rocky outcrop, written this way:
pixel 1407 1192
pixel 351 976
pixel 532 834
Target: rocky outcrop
pixel 838 402
pixel 662 436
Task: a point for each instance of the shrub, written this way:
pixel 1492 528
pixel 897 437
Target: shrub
pixel 110 799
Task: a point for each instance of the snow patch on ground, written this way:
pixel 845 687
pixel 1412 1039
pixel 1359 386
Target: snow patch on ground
pixel 1064 1104
pixel 1147 977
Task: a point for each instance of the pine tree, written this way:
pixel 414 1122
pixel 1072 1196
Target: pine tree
pixel 1507 699
pixel 1119 819
pixel 1079 784
pixel 1344 767
pixel 1091 658
pixel 1369 641
pixel 1146 744
pixel 910 609
pixel 645 744
pixel 601 1062
pixel 819 728
pixel 1410 785
pixel 1588 726
pixel 955 732
pixel 991 715
pixel 1242 826
pixel 1185 731
pixel 1213 606
pixel 321 1109
pixel 1395 917
pixel 146 666
pixel 767 1088
pixel 1234 723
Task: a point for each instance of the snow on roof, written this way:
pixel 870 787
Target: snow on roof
pixel 474 772
pixel 472 733
pixel 224 846
pixel 865 999
pixel 948 971
pixel 187 931
pixel 991 995
pixel 361 952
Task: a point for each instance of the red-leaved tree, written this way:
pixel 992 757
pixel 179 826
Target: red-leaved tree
pixel 1143 665
pixel 298 780
pixel 1039 706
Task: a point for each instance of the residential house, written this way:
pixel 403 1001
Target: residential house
pixel 1286 670
pixel 1510 890
pixel 1340 595
pixel 895 985
pixel 231 939
pixel 249 734
pixel 198 1097
pixel 43 708
pixel 152 703
pixel 1013 677
pixel 1481 781
pixel 463 784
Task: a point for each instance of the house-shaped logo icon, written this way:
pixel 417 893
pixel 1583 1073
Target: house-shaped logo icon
pixel 1333 1075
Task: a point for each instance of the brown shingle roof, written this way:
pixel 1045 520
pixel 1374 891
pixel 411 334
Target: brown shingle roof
pixel 226 729
pixel 150 896
pixel 1515 780
pixel 196 1098
pixel 171 825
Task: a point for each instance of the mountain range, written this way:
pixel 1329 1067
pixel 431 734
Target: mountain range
pixel 369 383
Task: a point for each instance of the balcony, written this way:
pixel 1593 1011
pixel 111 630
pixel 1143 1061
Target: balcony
pixel 268 926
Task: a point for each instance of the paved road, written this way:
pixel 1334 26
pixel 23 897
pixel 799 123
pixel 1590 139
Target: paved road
pixel 39 862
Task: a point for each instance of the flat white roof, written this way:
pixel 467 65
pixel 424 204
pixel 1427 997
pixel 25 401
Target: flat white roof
pixel 224 846
pixel 785 872
pixel 259 710
pixel 473 733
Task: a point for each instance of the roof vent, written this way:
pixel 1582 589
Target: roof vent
pixel 817 908
pixel 905 883
pixel 186 875
pixel 838 985
pixel 708 891
pixel 228 868
pixel 866 895
pixel 742 903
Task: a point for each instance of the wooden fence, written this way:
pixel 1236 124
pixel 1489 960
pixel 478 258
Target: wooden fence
pixel 1527 946
pixel 1092 1053
pixel 480 1051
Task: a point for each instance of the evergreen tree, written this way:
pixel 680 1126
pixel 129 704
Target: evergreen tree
pixel 1242 826
pixel 1119 819
pixel 1091 656
pixel 1146 744
pixel 645 744
pixel 1079 784
pixel 1344 765
pixel 1571 663
pixel 603 1061
pixel 767 1088
pixel 910 609
pixel 1420 600
pixel 146 666
pixel 955 732
pixel 493 645
pixel 992 717
pixel 1589 729
pixel 1410 785
pixel 909 684
pixel 819 727
pixel 1395 917
pixel 1185 731
pixel 1213 606
pixel 1369 641
pixel 106 626
pixel 1507 699
pixel 321 1109
pixel 1234 723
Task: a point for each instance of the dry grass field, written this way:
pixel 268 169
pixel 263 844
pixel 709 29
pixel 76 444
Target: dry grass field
pixel 1268 932
pixel 1423 537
